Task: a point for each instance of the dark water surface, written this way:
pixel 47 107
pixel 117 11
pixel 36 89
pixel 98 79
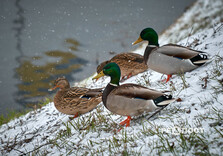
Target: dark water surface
pixel 43 39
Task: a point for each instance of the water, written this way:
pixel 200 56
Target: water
pixel 41 40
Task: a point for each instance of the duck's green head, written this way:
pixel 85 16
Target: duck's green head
pixel 148 34
pixel 112 70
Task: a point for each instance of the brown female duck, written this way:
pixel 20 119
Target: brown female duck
pixel 75 100
pixel 130 64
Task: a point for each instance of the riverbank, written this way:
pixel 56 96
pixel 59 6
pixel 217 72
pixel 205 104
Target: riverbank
pixel 191 126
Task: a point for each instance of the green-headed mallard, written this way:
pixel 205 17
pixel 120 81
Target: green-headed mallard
pixel 130 64
pixel 75 100
pixel 129 99
pixel 169 59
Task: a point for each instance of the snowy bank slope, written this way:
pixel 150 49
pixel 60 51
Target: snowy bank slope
pixel 193 125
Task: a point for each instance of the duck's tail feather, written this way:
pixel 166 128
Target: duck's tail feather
pixel 200 59
pixel 163 100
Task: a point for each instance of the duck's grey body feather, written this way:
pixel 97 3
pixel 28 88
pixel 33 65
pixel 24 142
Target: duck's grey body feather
pixel 173 59
pixel 130 99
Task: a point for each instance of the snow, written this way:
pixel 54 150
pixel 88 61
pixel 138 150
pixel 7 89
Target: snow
pixel 202 15
pixel 47 131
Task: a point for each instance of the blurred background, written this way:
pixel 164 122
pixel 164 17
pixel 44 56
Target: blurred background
pixel 42 40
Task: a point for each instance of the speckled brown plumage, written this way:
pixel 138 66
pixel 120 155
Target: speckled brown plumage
pixel 130 64
pixel 75 100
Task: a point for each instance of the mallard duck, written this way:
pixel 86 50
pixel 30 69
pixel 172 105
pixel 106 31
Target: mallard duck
pixel 171 58
pixel 75 100
pixel 130 64
pixel 129 99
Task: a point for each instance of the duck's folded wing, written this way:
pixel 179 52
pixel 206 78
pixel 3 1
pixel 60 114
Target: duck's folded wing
pixel 94 92
pixel 128 57
pixel 81 92
pixel 76 92
pixel 136 91
pixel 178 51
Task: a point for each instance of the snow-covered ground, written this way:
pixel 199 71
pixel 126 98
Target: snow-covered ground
pixel 193 125
pixel 202 15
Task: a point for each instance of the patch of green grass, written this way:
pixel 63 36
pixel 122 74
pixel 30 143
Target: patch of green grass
pixel 16 114
pixel 185 84
pixel 12 115
pixel 44 102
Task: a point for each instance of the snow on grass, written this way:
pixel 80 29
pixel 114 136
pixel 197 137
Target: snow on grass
pixel 190 126
pixel 202 15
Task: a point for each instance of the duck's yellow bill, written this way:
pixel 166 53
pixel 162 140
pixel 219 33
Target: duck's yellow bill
pixel 137 41
pixel 101 74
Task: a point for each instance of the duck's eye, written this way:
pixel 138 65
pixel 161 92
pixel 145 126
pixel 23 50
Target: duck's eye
pixel 142 33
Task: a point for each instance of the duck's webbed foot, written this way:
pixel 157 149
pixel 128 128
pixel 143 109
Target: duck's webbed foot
pixel 126 122
pixel 75 116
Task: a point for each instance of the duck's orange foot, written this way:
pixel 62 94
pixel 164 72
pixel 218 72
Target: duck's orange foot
pixel 126 122
pixel 75 116
pixel 168 78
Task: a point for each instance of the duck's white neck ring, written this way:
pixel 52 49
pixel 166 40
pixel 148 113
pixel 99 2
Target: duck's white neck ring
pixel 152 46
pixel 112 84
